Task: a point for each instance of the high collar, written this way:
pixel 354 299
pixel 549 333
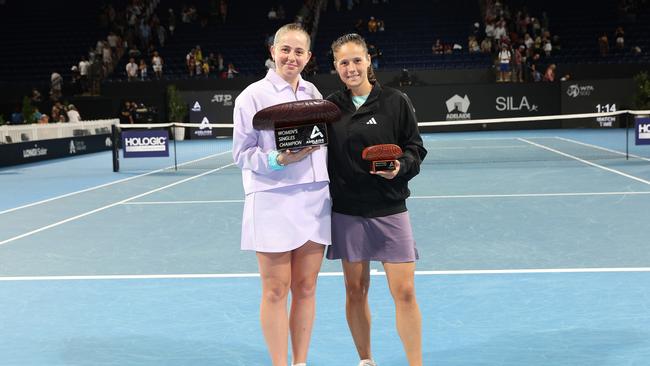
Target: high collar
pixel 279 83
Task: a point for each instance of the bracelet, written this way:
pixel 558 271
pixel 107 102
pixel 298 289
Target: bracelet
pixel 274 164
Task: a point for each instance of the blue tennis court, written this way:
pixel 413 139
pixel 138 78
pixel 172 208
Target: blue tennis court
pixel 533 251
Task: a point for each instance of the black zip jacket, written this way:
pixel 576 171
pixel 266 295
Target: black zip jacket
pixel 387 117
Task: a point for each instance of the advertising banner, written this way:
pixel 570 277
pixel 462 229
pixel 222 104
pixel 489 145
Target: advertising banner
pixel 145 143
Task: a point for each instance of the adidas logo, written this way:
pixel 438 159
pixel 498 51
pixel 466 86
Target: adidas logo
pixel 372 121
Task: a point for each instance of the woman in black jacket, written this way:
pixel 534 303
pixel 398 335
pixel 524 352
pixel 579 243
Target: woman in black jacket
pixel 369 216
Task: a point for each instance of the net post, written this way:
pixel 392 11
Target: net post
pixel 627 135
pixel 115 136
pixel 175 157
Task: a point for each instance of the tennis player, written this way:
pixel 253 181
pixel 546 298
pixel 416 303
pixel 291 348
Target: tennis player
pixel 369 217
pixel 287 208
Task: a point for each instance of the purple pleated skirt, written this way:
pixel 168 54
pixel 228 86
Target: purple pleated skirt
pixel 386 239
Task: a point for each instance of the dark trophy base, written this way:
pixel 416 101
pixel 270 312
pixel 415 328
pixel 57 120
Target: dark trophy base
pixel 298 137
pixel 382 165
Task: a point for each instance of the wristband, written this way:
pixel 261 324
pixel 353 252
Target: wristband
pixel 273 160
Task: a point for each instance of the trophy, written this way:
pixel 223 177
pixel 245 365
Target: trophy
pixel 298 124
pixel 382 157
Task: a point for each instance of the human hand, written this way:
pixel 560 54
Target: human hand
pixel 287 157
pixel 388 174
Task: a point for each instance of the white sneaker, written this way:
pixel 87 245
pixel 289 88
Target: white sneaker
pixel 299 364
pixel 367 362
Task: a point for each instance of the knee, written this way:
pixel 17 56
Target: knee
pixel 357 291
pixel 304 288
pixel 275 291
pixel 404 293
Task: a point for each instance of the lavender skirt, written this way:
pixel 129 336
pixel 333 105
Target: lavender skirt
pixel 386 239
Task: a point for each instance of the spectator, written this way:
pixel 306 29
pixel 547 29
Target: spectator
pixel 36 115
pixel 405 78
pixel 220 63
pixel 171 21
pixel 504 63
pixel 161 34
pixel 232 71
pixel 205 68
pixel 374 53
pixel 547 48
pixel 620 39
pixel 58 113
pixel 73 114
pixel 125 115
pixel 518 63
pixel 143 69
pixel 35 98
pixel 17 117
pixel 603 45
pixel 486 45
pixel 472 45
pixel 272 14
pixel 190 61
pixel 549 75
pixel 131 70
pixel 157 63
pixel 223 10
pixel 44 119
pixel 84 67
pixel 438 48
pixel 56 85
pixel 372 25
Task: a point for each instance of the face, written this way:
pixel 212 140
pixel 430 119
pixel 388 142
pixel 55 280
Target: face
pixel 352 61
pixel 290 54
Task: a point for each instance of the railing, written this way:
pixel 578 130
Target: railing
pixel 34 132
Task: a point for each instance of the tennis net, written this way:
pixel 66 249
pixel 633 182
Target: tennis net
pixel 589 136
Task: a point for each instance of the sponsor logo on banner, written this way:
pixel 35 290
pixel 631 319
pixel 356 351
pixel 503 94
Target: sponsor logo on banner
pixel 77 146
pixel 225 99
pixel 204 130
pixel 458 108
pixel 642 131
pixel 512 104
pixel 34 152
pixel 577 90
pixel 196 107
pixel 150 143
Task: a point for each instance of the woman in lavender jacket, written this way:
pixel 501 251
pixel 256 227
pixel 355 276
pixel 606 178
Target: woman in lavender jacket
pixel 286 218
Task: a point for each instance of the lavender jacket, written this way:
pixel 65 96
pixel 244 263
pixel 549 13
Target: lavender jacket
pixel 251 147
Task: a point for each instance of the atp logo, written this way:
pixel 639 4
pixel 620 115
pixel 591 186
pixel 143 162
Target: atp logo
pixel 458 107
pixel 225 99
pixel 196 107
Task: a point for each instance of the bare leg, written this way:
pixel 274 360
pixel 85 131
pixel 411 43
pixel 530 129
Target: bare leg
pixel 409 321
pixel 305 264
pixel 357 310
pixel 275 272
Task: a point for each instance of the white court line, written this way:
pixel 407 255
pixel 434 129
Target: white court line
pixel 569 194
pixel 327 274
pixel 587 162
pixel 601 148
pixel 183 202
pixel 111 205
pixel 478 147
pixel 106 184
pixel 528 195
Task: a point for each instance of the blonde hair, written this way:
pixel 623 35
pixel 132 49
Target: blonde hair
pixel 358 40
pixel 288 28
